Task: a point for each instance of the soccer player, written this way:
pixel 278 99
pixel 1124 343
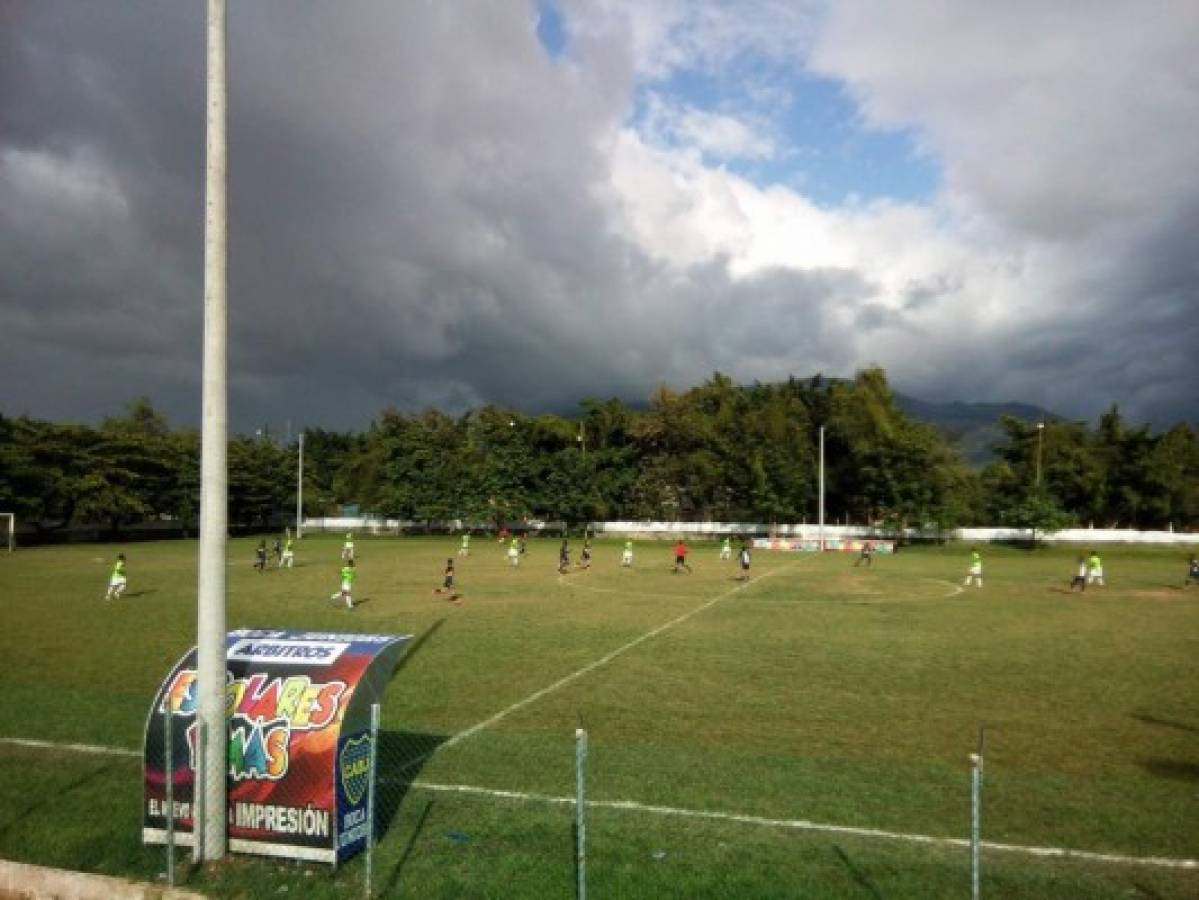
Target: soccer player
pixel 1192 572
pixel 726 549
pixel 288 558
pixel 585 556
pixel 277 552
pixel 976 568
pixel 1094 569
pixel 564 558
pixel 680 557
pixel 348 574
pixel 514 553
pixel 744 559
pixel 347 549
pixel 866 556
pixel 464 550
pixel 260 557
pixel 1080 575
pixel 626 558
pixel 447 583
pixel 116 582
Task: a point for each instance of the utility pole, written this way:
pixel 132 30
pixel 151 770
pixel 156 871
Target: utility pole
pixel 214 472
pixel 821 488
pixel 300 490
pixel 1040 441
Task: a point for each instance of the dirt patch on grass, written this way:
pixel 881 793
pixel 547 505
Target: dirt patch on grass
pixel 1160 595
pixel 848 584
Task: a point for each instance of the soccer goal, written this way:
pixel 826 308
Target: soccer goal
pixel 8 530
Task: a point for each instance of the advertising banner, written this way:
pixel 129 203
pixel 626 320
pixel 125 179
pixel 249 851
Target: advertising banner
pixel 299 742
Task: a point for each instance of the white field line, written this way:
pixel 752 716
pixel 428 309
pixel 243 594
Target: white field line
pixel 634 806
pixel 602 661
pixel 806 825
pixel 89 749
pixel 562 579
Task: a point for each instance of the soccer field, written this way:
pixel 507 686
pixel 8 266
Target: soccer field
pixel 803 733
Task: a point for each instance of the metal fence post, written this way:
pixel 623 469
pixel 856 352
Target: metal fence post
pixel 580 805
pixel 169 771
pixel 976 802
pixel 370 799
pixel 199 807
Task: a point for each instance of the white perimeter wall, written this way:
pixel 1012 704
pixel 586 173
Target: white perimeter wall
pixel 667 530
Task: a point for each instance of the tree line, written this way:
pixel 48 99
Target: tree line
pixel 716 452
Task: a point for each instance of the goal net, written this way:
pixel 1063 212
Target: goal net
pixel 8 531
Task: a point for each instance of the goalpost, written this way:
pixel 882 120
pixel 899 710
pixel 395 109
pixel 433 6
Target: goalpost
pixel 8 530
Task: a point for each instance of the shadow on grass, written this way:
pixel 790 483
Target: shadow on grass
pixel 402 754
pixel 403 860
pixel 1174 769
pixel 858 875
pixel 54 799
pixel 1165 723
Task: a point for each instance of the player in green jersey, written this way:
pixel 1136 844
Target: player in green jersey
pixel 348 574
pixel 976 569
pixel 626 558
pixel 116 582
pixel 464 550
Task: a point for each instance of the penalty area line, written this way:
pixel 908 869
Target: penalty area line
pixel 807 825
pixel 602 661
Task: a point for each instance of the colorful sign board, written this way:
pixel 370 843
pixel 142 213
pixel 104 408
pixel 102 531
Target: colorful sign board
pixel 845 545
pixel 299 742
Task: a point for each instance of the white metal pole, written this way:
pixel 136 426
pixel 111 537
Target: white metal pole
pixel 821 488
pixel 214 474
pixel 300 492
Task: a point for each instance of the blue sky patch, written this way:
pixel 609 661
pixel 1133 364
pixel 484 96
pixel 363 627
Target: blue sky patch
pixel 821 147
pixel 550 31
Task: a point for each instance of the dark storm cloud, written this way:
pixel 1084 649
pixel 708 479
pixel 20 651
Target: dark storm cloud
pixel 412 220
pixel 422 213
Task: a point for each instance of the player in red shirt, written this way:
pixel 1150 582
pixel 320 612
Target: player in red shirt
pixel 680 557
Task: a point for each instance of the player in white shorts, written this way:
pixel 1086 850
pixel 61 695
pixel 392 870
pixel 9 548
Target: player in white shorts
pixel 626 558
pixel 116 582
pixel 976 569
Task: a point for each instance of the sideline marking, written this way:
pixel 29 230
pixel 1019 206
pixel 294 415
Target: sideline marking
pixel 603 660
pixel 806 825
pixel 634 806
pixel 90 749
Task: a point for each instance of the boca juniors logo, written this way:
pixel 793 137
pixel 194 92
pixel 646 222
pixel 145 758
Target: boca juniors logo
pixel 355 765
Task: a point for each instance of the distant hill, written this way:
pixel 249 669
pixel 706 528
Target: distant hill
pixel 971 427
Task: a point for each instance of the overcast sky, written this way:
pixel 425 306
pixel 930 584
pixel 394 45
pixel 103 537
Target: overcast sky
pixel 529 203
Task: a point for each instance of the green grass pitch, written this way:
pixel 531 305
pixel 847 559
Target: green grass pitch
pixel 815 692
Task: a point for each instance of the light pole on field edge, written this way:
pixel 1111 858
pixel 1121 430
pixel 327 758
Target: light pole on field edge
pixel 1040 441
pixel 214 471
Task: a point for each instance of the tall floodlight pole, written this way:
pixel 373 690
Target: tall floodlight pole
pixel 214 473
pixel 300 491
pixel 822 488
pixel 1040 439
